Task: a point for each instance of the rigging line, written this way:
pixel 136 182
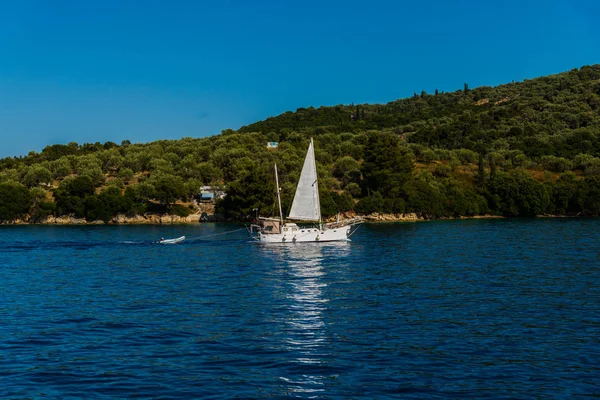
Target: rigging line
pixel 355 229
pixel 216 234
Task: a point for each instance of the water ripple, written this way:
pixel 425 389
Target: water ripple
pixel 454 309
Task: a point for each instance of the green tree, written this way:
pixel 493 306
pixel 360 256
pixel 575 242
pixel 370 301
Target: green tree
pixel 253 189
pixel 126 174
pixel 71 194
pixel 57 151
pixel 168 189
pixel 387 165
pixel 15 201
pixel 40 207
pixel 347 170
pixel 36 175
pixel 517 195
pixel 209 173
pixel 114 201
pixel 61 168
pixel 9 175
pixel 91 167
pixel 425 197
pixel 353 189
pixel 590 195
pixel 564 195
pixel 161 166
pixel 370 204
pixel 333 203
pixel 112 160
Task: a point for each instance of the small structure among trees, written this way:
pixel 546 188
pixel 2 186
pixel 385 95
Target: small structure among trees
pixel 209 194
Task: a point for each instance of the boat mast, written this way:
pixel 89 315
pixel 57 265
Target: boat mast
pixel 278 195
pixel 317 201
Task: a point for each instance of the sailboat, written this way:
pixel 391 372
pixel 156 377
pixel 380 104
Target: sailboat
pixel 305 207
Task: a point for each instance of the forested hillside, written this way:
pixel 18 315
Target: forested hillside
pixel 520 149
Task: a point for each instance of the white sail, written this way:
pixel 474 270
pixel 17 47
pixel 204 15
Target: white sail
pixel 306 205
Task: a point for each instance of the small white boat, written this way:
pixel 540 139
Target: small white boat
pixel 172 241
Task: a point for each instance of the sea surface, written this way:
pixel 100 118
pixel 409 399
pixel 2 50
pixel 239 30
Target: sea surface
pixel 495 309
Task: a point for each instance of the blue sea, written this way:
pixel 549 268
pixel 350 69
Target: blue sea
pixel 495 309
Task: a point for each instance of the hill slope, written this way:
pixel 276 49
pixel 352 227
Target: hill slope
pixel 553 115
pixel 519 149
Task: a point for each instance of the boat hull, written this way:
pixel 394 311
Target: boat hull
pixel 172 241
pixel 307 235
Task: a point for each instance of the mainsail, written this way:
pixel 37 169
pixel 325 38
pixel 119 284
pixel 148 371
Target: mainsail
pixel 306 205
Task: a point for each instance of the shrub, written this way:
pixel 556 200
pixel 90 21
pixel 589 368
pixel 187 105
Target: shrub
pixel 180 210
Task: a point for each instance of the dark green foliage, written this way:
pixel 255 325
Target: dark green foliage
pixel 463 201
pixel 468 152
pixel 56 151
pixel 80 186
pixel 387 165
pixel 95 209
pixel 253 188
pixel 370 204
pixel 77 197
pixel 344 201
pixel 15 201
pixel 565 194
pixel 564 107
pixel 556 164
pixel 517 195
pixel 353 189
pixel 70 205
pixel 347 171
pixel 142 192
pixel 443 171
pixel 71 194
pixel 589 195
pixel 42 210
pixel 168 189
pixel 138 205
pixel 395 205
pixel 37 175
pixel 333 203
pixel 425 198
pixel 115 202
pixel 60 168
pixel 179 210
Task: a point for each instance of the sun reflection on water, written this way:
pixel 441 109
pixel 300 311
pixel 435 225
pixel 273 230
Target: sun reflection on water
pixel 302 281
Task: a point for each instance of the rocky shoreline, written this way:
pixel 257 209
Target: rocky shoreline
pixel 168 219
pixel 415 217
pixel 120 219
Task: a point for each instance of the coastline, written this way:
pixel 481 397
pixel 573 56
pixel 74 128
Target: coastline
pixel 170 219
pixel 119 219
pixel 416 217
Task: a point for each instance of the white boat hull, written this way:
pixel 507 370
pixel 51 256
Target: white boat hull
pixel 306 206
pixel 172 241
pixel 312 234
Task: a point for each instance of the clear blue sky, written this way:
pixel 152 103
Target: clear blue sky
pixel 89 71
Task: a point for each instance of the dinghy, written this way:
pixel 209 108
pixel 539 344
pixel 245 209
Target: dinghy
pixel 172 241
